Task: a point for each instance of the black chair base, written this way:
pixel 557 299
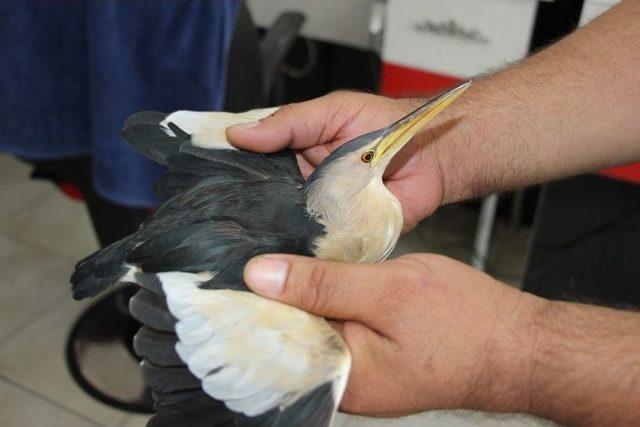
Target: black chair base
pixel 100 356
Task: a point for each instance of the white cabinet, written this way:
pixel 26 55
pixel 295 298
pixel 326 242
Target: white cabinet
pixel 458 38
pixel 593 8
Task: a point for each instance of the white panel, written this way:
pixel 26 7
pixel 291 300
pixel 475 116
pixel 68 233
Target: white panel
pixel 339 21
pixel 594 8
pixel 459 38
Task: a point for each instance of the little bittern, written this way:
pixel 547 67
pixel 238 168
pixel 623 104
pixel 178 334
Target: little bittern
pixel 208 339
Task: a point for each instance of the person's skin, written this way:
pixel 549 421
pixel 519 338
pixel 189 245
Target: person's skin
pixel 428 332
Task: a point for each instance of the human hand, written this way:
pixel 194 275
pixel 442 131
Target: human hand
pixel 317 127
pixel 424 331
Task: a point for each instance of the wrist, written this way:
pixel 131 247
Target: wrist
pixel 511 355
pixel 585 366
pixel 455 141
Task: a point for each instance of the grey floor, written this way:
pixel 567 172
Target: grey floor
pixel 42 234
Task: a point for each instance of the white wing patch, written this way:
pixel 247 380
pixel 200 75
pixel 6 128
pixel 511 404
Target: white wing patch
pixel 207 128
pixel 250 352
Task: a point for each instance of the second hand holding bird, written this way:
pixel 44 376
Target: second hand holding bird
pixel 424 331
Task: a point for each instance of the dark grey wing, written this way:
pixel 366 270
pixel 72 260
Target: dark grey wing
pixel 201 185
pixel 154 135
pixel 224 206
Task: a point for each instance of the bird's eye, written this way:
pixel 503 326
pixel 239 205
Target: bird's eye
pixel 367 156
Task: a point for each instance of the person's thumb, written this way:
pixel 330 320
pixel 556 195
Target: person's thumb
pixel 296 126
pixel 329 289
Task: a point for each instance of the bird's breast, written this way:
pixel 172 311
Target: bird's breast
pixel 366 229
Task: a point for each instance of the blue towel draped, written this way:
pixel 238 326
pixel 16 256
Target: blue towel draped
pixel 72 71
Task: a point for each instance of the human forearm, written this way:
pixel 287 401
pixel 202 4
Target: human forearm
pixel 576 364
pixel 570 109
pixel 586 366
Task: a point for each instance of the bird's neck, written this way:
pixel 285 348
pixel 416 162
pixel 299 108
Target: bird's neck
pixel 361 226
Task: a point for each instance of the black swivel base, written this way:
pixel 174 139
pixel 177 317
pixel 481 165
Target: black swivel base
pixel 100 355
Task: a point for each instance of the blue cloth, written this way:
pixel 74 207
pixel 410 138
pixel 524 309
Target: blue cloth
pixel 72 71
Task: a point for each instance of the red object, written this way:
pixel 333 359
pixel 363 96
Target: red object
pixel 70 190
pixel 628 173
pixel 398 80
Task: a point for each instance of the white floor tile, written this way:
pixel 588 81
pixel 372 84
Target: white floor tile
pixel 35 359
pixel 19 408
pixel 135 421
pixel 12 169
pixel 17 190
pixel 54 223
pixel 31 282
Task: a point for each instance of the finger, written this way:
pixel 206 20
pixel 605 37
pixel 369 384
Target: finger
pixel 306 168
pixel 315 155
pixel 329 289
pixel 371 354
pixel 294 126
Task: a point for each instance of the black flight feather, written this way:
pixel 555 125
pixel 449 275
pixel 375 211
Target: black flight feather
pixel 223 207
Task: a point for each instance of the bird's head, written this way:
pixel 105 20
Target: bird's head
pixel 362 219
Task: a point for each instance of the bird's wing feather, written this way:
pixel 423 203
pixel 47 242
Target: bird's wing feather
pixel 254 354
pixel 193 146
pixel 276 365
pixel 208 127
pixel 262 358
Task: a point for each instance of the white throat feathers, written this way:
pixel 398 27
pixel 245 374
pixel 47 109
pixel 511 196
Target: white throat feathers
pixel 362 219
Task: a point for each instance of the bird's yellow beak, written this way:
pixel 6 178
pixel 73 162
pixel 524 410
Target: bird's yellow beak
pixel 399 133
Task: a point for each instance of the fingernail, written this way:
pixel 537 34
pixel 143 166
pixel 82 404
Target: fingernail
pixel 266 275
pixel 246 125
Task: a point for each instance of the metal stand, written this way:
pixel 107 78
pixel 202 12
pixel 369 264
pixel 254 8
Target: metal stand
pixel 483 231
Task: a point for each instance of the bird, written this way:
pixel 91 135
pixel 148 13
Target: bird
pixel 213 352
